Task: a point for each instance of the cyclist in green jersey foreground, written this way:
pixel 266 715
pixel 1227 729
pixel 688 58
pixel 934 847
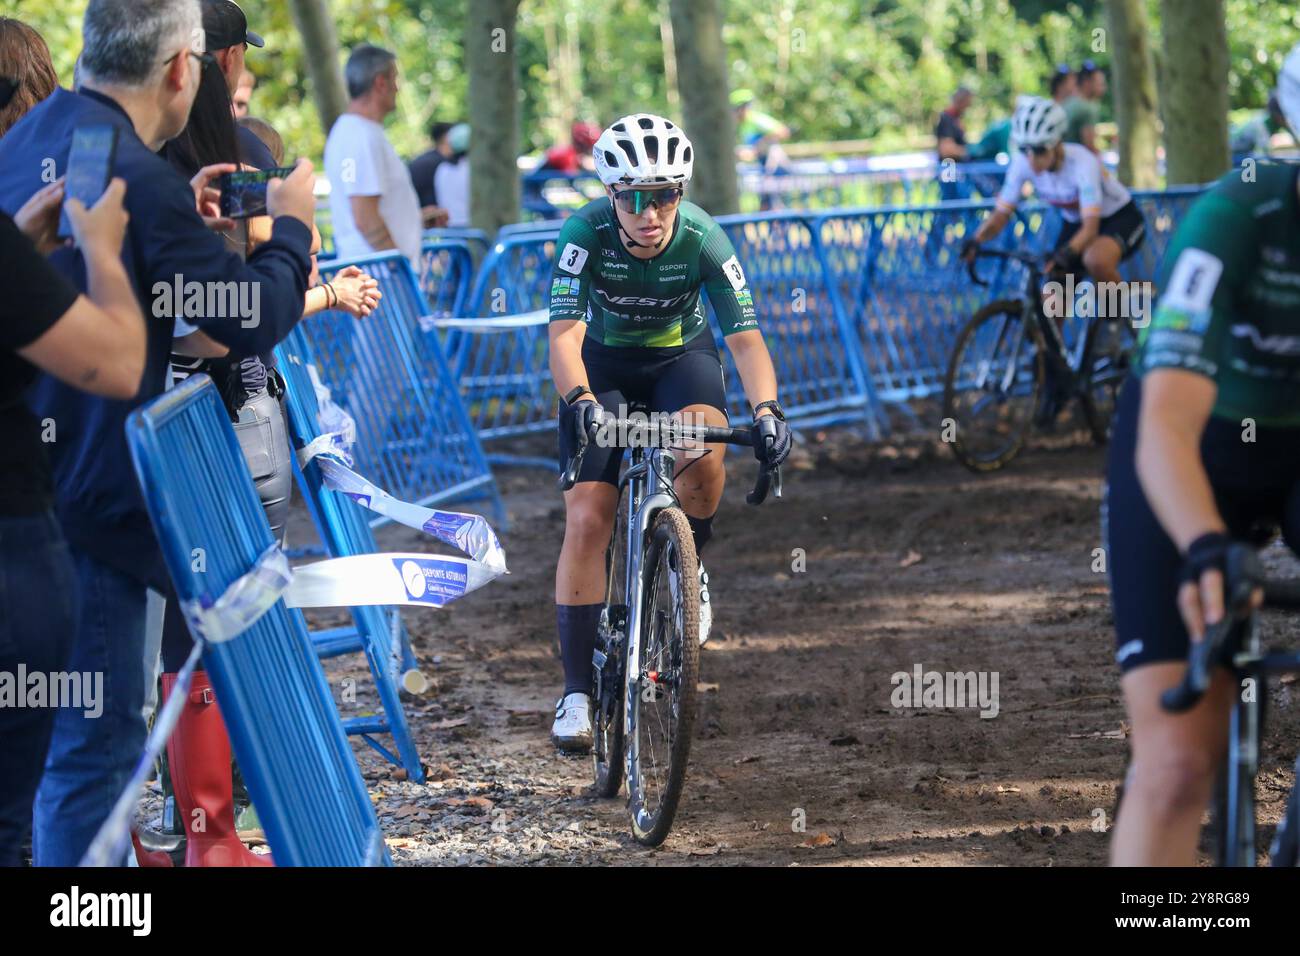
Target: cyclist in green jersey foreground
pixel 627 324
pixel 1205 452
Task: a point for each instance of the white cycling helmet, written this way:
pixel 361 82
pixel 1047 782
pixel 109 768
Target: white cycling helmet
pixel 1288 90
pixel 1038 122
pixel 643 150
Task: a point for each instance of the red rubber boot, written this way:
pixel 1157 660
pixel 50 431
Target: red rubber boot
pixel 198 754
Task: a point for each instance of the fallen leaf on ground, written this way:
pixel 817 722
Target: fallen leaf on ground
pixel 909 559
pixel 820 840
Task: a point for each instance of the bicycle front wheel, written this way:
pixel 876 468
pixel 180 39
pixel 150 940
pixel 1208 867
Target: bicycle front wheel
pixel 991 390
pixel 1106 356
pixel 663 705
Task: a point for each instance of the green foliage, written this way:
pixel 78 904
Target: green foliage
pixel 830 69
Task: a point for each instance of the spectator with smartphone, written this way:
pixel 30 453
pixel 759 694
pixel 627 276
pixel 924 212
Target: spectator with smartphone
pixel 140 73
pixel 93 341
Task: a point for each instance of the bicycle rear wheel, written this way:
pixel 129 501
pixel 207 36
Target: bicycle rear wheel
pixel 663 705
pixel 991 389
pixel 1106 357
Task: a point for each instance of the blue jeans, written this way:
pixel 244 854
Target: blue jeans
pixel 92 758
pixel 38 601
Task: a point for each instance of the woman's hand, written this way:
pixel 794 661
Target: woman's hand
pixel 357 292
pixel 207 198
pixel 99 231
pixel 38 218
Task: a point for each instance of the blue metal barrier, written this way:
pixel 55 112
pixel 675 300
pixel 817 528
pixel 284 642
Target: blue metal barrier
pixel 446 273
pixel 414 437
pixel 476 239
pixel 814 349
pixel 344 528
pixel 284 729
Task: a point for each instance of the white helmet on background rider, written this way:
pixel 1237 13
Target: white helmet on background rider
pixel 643 150
pixel 1038 123
pixel 1288 89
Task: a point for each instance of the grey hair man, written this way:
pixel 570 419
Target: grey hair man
pixel 372 199
pixel 140 68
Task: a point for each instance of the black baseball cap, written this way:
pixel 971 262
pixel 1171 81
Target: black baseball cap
pixel 225 25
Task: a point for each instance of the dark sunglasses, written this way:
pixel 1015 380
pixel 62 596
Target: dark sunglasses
pixel 1036 150
pixel 636 201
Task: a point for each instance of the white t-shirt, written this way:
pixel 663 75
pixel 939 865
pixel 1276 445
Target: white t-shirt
pixel 360 161
pixel 451 184
pixel 1080 187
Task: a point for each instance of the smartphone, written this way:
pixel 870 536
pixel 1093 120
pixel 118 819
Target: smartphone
pixel 90 168
pixel 243 195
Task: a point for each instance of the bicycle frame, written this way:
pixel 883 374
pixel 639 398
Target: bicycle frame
pixel 650 491
pixel 1242 763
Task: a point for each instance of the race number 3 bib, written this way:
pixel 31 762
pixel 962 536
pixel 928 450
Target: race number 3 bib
pixel 735 275
pixel 573 258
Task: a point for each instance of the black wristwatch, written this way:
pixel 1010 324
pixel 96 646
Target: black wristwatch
pixel 776 409
pixel 572 394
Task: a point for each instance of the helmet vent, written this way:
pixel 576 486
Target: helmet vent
pixel 686 155
pixel 672 148
pixel 646 122
pixel 628 149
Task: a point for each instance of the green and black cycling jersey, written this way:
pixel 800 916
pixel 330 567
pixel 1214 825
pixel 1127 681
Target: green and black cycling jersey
pixel 1230 302
pixel 647 303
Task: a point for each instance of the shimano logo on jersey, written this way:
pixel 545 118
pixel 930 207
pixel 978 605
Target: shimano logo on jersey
pixel 208 300
pixel 1273 344
pixel 644 300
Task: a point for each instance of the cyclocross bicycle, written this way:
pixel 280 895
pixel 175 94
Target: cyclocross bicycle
pixel 647 655
pixel 1235 643
pixel 1006 356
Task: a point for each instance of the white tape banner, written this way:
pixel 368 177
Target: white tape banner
pixel 496 323
pixel 421 580
pixel 468 532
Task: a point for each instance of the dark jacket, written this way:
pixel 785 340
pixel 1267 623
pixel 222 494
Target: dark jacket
pixel 97 495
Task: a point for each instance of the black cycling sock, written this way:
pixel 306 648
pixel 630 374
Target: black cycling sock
pixel 577 626
pixel 702 528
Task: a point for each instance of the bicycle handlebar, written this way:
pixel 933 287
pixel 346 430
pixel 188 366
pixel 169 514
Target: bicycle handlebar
pixel 1243 575
pixel 769 479
pixel 1025 259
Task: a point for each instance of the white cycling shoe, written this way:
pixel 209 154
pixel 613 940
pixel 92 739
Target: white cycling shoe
pixel 706 609
pixel 571 731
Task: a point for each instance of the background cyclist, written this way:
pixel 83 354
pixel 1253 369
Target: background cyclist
pixel 627 323
pixel 1204 451
pixel 1102 225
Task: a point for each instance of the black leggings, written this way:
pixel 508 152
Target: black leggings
pixel 1256 488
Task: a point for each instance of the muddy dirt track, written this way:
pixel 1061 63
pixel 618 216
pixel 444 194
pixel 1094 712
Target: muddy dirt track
pixel 910 560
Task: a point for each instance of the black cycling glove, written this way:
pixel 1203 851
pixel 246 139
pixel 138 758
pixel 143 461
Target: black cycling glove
pixel 771 437
pixel 968 250
pixel 1208 551
pixel 583 418
pixel 1066 259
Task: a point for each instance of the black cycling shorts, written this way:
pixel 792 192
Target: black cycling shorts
pixel 663 379
pixel 1257 490
pixel 1125 225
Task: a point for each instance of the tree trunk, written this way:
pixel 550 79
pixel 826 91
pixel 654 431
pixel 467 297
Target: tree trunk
pixel 1195 89
pixel 706 107
pixel 1135 93
pixel 321 48
pixel 493 113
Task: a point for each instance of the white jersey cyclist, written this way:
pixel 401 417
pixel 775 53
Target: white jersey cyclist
pixel 1080 187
